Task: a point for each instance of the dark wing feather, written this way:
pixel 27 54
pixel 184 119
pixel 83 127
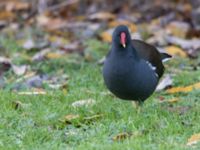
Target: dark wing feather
pixel 149 53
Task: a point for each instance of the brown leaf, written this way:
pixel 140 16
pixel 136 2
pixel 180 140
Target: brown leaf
pixel 184 89
pixel 175 51
pixel 194 139
pixel 17 5
pixel 93 118
pixel 70 118
pixel 122 136
pixel 6 15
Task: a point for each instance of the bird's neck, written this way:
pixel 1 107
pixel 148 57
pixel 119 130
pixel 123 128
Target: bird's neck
pixel 128 51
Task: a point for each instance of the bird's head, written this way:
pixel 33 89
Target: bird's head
pixel 121 36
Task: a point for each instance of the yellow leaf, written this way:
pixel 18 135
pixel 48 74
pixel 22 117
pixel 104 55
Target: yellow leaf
pixel 58 40
pixel 102 16
pixel 174 50
pixel 173 100
pixel 106 36
pixel 184 89
pixel 193 139
pixel 53 55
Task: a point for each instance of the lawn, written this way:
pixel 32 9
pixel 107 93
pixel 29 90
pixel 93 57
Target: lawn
pixel 51 122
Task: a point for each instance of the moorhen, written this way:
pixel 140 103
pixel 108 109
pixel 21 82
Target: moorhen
pixel 132 68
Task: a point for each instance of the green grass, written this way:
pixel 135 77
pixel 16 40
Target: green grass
pixel 37 122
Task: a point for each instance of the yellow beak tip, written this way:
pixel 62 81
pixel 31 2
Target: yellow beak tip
pixel 124 45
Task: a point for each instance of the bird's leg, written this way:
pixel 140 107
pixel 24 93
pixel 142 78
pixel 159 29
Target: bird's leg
pixel 137 105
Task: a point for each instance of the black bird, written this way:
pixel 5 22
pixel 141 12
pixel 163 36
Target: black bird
pixel 132 68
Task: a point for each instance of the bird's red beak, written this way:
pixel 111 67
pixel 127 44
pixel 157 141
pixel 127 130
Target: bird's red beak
pixel 123 39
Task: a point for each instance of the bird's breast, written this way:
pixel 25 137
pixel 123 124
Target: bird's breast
pixel 129 80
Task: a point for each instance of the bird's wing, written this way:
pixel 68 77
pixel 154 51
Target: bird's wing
pixel 149 53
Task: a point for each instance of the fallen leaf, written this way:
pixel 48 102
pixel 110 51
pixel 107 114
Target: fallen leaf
pixel 183 43
pixel 93 118
pixel 50 23
pixel 106 36
pixel 178 28
pixel 19 70
pixel 194 139
pixel 28 44
pixel 70 118
pixel 72 47
pixel 131 25
pixel 17 5
pixel 26 76
pixel 122 136
pixel 6 15
pixel 5 60
pixel 35 92
pixel 58 86
pixel 193 53
pixel 173 100
pixel 36 81
pixel 17 104
pixel 40 55
pixel 102 16
pixel 164 83
pixel 184 89
pixel 53 55
pixel 175 51
pixel 80 103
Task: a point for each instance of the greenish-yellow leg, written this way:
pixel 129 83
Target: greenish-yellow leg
pixel 137 105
